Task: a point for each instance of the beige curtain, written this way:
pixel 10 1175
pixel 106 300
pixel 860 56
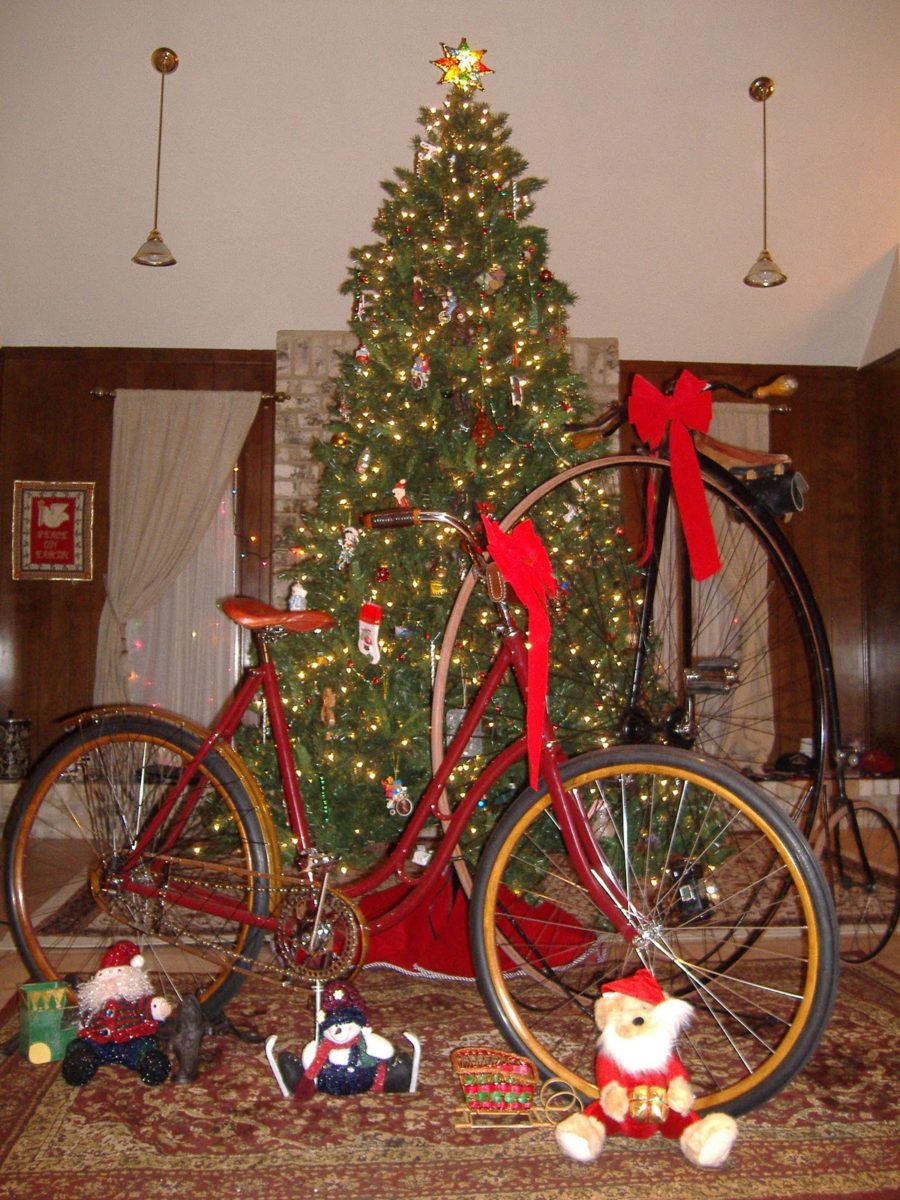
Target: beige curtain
pixel 172 456
pixel 183 652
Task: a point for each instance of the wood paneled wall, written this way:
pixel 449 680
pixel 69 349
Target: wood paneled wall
pixel 53 428
pixel 878 466
pixel 842 432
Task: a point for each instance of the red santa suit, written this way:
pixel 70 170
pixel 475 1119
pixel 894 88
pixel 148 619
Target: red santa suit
pixel 641 986
pixel 121 1020
pixel 607 1071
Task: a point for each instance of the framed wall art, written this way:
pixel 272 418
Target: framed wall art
pixel 52 530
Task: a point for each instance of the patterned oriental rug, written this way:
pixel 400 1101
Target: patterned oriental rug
pixel 832 1133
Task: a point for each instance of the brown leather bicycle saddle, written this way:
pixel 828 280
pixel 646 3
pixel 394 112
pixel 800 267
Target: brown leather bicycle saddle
pixel 256 614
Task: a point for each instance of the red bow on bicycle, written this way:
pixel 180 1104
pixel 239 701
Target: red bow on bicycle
pixel 651 412
pixel 525 565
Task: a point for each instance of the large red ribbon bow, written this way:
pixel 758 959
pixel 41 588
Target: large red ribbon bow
pixel 525 565
pixel 651 412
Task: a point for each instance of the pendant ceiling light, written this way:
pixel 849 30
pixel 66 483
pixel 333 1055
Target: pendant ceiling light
pixel 765 272
pixel 155 252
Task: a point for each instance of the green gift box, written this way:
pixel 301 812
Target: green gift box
pixel 48 1021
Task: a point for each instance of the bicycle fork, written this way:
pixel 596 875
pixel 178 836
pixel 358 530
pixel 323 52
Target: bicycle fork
pixel 599 880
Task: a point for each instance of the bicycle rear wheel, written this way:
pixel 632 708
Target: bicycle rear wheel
pixel 732 666
pixel 731 909
pixel 863 872
pixel 73 824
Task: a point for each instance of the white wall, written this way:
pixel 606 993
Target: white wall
pixel 284 115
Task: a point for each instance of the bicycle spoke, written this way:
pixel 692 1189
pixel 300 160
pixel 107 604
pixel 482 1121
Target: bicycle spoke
pixel 729 909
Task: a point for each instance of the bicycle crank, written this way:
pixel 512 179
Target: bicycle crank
pixel 320 934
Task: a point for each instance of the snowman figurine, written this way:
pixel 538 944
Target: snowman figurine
pixel 347 1057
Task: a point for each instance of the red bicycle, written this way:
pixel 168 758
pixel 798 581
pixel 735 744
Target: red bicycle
pixel 138 822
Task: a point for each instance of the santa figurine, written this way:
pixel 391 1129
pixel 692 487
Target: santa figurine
pixel 119 1019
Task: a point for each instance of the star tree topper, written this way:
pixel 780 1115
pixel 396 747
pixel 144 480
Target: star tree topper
pixel 462 66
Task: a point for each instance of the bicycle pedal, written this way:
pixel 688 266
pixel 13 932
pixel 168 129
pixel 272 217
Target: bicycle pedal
pixel 712 675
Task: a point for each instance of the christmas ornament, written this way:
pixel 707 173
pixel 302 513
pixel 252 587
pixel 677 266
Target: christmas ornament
pixel 438 582
pixel 515 389
pixel 449 305
pixel 362 302
pixel 297 597
pixel 382 574
pixel 362 463
pixel 491 281
pixel 339 439
pixel 397 796
pixel 482 430
pixel 420 372
pixel 329 700
pixel 369 630
pixel 349 540
pixel 545 274
pixel 361 355
pixel 462 67
pixel 428 150
pixel 399 490
pixel 417 291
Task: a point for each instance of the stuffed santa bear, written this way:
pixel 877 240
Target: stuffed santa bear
pixel 643 1084
pixel 119 1019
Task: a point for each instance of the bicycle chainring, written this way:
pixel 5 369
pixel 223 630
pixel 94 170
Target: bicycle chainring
pixel 319 938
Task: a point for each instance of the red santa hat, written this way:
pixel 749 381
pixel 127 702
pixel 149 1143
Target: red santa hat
pixel 122 954
pixel 641 985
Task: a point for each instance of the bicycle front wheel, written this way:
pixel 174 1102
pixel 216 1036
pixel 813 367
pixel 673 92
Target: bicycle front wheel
pixel 861 859
pixel 730 908
pixel 76 820
pixel 732 666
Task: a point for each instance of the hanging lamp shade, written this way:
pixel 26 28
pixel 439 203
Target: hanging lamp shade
pixel 154 252
pixel 765 272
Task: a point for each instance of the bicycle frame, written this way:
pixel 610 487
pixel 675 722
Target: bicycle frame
pixel 821 805
pixel 595 873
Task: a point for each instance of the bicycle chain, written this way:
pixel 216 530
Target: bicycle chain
pixel 291 964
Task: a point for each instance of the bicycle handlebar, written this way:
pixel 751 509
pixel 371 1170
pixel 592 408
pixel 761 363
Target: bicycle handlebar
pixel 390 518
pixel 780 388
pixel 396 518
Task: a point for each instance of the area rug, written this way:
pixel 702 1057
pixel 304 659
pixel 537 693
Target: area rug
pixel 832 1133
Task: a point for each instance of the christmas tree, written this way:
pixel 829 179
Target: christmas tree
pixel 455 398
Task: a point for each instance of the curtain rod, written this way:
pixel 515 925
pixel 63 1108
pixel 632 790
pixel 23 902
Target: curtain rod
pixel 105 394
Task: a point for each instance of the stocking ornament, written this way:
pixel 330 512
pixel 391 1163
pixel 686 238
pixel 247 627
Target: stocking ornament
pixel 369 630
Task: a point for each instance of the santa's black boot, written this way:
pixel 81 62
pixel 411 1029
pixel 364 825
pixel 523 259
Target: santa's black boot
pixel 80 1063
pixel 153 1067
